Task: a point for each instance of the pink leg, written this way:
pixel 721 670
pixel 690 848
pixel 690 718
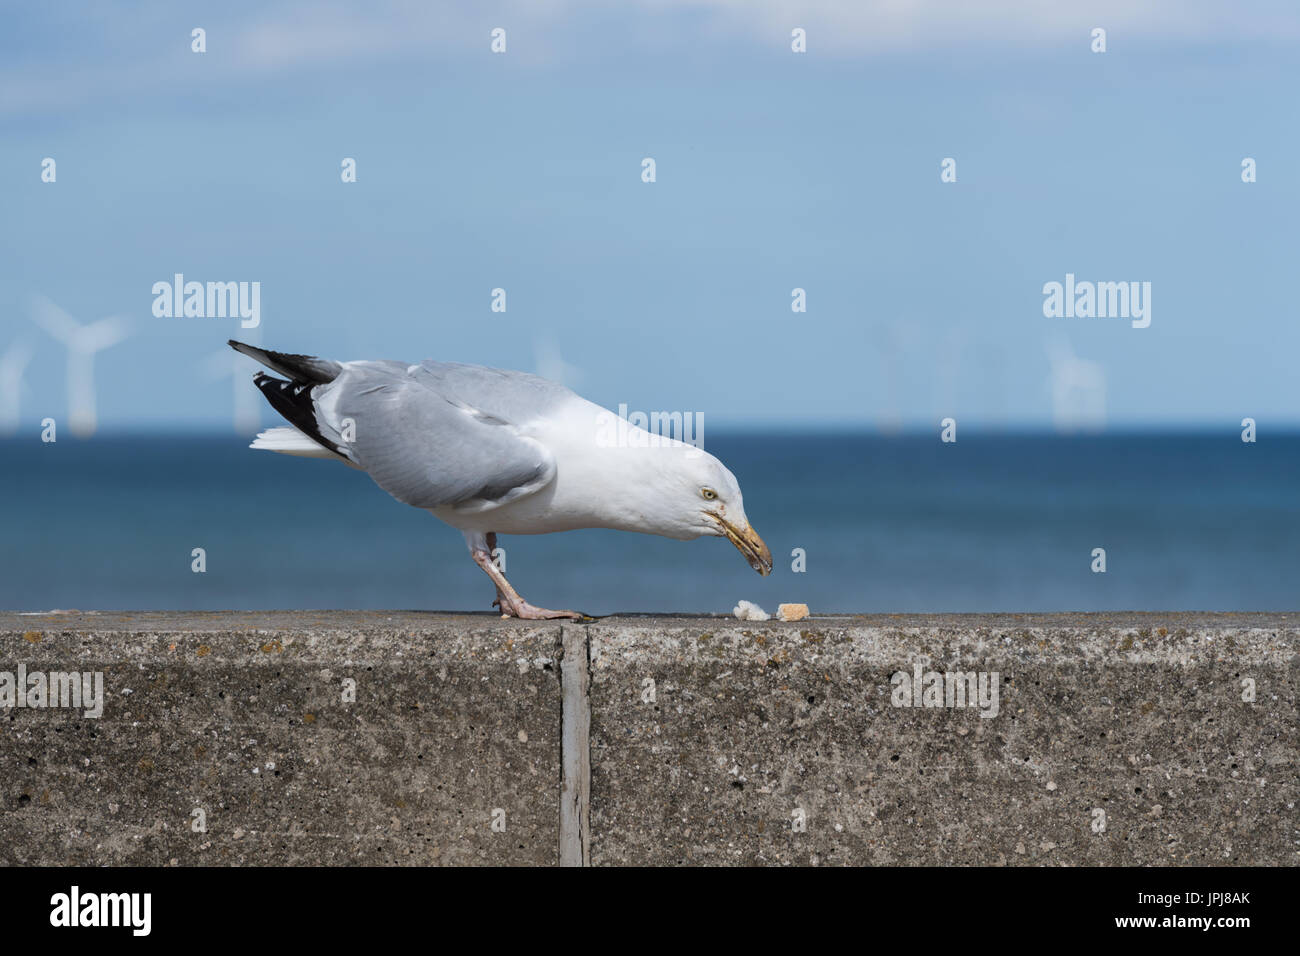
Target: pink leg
pixel 500 602
pixel 508 599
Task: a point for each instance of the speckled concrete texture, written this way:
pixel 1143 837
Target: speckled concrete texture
pixel 1119 739
pixel 455 726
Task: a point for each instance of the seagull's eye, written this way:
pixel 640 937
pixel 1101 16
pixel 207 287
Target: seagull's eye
pixel 708 493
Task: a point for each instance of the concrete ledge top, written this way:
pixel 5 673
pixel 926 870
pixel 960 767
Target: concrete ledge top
pixel 447 621
pixel 641 640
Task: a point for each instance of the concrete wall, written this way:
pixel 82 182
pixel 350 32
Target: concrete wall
pixel 242 716
pixel 1147 739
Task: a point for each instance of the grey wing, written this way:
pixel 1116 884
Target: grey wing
pixel 426 447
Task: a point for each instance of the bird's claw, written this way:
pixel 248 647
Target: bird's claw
pixel 526 612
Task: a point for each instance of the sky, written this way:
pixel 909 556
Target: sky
pixel 774 171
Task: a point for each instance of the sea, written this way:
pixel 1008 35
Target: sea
pixel 858 522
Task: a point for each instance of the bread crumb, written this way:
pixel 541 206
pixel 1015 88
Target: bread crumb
pixel 749 611
pixel 792 612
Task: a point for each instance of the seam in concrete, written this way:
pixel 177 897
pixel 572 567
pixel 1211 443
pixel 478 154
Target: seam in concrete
pixel 575 746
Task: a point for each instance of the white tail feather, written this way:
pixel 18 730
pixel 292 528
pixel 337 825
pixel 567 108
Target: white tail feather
pixel 290 441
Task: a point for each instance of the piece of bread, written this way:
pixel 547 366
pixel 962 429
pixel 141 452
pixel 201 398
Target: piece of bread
pixel 792 612
pixel 749 611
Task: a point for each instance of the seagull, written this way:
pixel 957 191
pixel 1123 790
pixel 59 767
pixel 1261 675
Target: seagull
pixel 490 452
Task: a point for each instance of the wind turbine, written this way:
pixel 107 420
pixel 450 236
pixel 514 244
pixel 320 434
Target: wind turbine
pixel 82 342
pixel 549 363
pixel 951 351
pixel 247 415
pixel 893 338
pixel 12 365
pixel 1078 389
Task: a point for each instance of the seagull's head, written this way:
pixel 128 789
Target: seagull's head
pixel 707 500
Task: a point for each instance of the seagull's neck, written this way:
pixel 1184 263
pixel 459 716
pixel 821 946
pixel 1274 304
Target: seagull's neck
pixel 623 478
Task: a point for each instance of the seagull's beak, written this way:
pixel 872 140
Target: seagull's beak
pixel 747 542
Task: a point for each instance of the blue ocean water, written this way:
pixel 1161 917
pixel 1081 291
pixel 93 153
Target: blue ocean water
pixel 994 522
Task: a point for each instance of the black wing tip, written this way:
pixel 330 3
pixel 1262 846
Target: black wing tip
pixel 300 368
pixel 292 399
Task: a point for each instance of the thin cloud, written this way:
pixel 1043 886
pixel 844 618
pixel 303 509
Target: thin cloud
pixel 52 63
